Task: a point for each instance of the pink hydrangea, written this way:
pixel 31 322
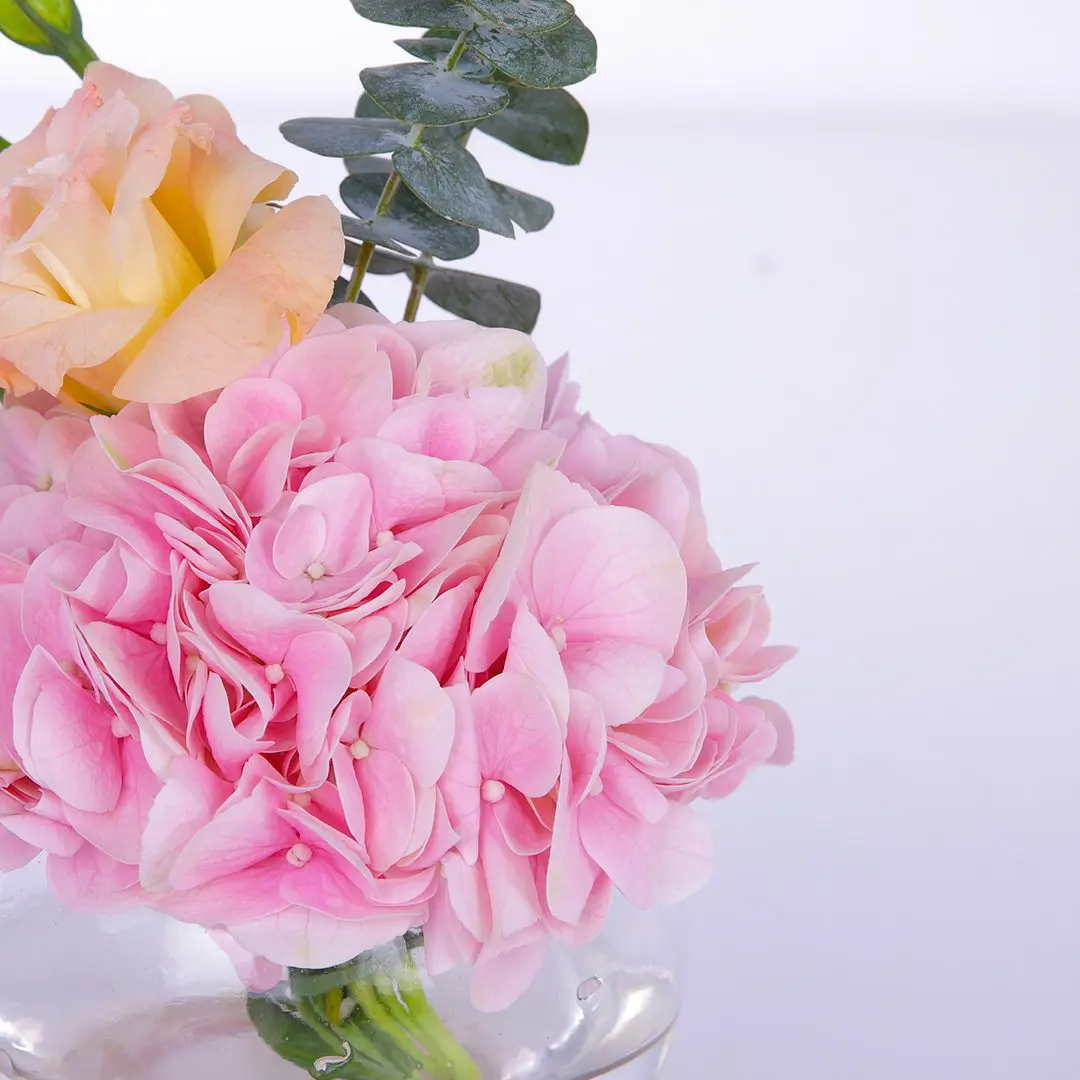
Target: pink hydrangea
pixel 384 635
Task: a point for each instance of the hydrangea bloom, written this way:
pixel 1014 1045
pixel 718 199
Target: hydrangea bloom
pixel 384 634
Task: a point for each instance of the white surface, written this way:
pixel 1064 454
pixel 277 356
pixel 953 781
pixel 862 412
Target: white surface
pixel 864 328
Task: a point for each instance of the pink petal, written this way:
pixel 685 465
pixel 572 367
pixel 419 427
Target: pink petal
pixel 499 980
pixel 91 881
pixel 523 830
pixel 571 873
pixel 685 851
pixel 258 975
pixel 230 748
pixel 515 905
pixel 611 572
pixel 345 504
pixel 436 638
pixel 320 667
pixel 321 887
pixel 518 734
pixel 586 744
pixel 244 409
pixel 187 802
pixel 547 497
pixel 14 853
pixel 390 806
pixel 240 897
pixel 43 833
pixel 300 937
pixel 240 835
pixel 405 486
pixel 65 738
pixel 299 542
pixel 623 846
pixel 532 652
pixel 623 677
pixel 119 833
pixel 412 717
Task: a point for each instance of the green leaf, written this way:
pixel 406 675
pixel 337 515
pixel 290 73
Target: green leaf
pixel 4 144
pixel 449 179
pixel 345 137
pixel 547 124
pixel 427 94
pixel 362 230
pixel 526 16
pixel 444 14
pixel 543 61
pixel 294 1039
pixel 409 222
pixel 485 300
pixel 368 109
pixel 436 49
pixel 529 211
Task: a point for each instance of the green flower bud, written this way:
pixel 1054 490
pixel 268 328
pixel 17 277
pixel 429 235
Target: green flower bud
pixel 52 27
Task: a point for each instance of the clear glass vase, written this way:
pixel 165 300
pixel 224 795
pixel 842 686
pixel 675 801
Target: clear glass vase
pixel 138 996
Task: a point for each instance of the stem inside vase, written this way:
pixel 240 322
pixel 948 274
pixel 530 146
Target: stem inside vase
pixel 366 1020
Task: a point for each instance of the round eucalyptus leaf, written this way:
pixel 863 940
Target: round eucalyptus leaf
pixel 363 230
pixel 526 16
pixel 346 136
pixel 409 221
pixel 485 300
pixel 428 94
pixel 445 176
pixel 444 14
pixel 542 61
pixel 368 109
pixel 529 211
pixel 547 124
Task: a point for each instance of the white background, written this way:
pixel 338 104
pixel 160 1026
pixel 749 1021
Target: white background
pixel 831 250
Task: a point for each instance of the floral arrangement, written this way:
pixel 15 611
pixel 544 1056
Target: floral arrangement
pixel 320 630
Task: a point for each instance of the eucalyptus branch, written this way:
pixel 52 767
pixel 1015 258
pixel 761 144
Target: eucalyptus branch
pixel 393 184
pixel 496 66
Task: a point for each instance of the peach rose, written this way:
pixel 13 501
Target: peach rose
pixel 140 259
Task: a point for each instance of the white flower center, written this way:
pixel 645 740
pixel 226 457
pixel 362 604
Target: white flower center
pixel 384 538
pixel 274 674
pixel 298 855
pixel 43 482
pixel 359 750
pixel 316 571
pixel 493 791
pixel 301 799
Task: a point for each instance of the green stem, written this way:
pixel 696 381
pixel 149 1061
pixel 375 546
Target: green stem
pixel 416 293
pixel 393 184
pixel 77 54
